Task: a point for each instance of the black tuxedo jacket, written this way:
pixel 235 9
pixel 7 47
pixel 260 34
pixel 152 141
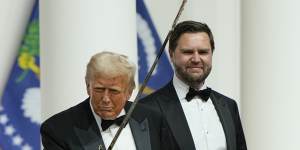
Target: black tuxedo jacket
pixel 165 100
pixel 76 129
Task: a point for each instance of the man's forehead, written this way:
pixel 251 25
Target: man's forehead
pixel 106 82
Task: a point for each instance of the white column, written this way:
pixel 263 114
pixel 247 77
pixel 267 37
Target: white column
pixel 271 74
pixel 71 32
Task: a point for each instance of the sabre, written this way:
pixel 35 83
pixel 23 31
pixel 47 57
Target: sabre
pixel 139 94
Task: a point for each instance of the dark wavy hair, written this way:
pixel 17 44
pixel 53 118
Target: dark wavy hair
pixel 189 27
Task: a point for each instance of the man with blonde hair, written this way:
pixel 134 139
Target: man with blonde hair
pixel 93 123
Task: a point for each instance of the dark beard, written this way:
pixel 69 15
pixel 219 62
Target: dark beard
pixel 189 80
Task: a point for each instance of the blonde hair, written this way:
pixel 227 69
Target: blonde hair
pixel 111 65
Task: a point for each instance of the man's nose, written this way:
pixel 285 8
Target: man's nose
pixel 195 57
pixel 106 96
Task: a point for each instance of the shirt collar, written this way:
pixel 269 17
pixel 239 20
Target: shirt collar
pixel 182 88
pixel 98 118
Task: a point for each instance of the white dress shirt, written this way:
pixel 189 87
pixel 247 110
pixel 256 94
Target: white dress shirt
pixel 125 139
pixel 202 118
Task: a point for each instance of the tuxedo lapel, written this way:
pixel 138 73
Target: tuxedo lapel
pixel 90 138
pixel 225 118
pixel 141 135
pixel 139 127
pixel 87 130
pixel 176 119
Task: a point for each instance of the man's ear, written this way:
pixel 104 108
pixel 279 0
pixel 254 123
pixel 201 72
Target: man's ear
pixel 171 54
pixel 129 94
pixel 87 88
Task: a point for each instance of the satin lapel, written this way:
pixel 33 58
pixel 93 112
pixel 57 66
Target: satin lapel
pixel 141 135
pixel 225 118
pixel 174 114
pixel 90 138
pixel 87 130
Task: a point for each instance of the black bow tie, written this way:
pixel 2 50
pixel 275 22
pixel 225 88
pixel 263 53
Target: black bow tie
pixel 203 94
pixel 107 123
